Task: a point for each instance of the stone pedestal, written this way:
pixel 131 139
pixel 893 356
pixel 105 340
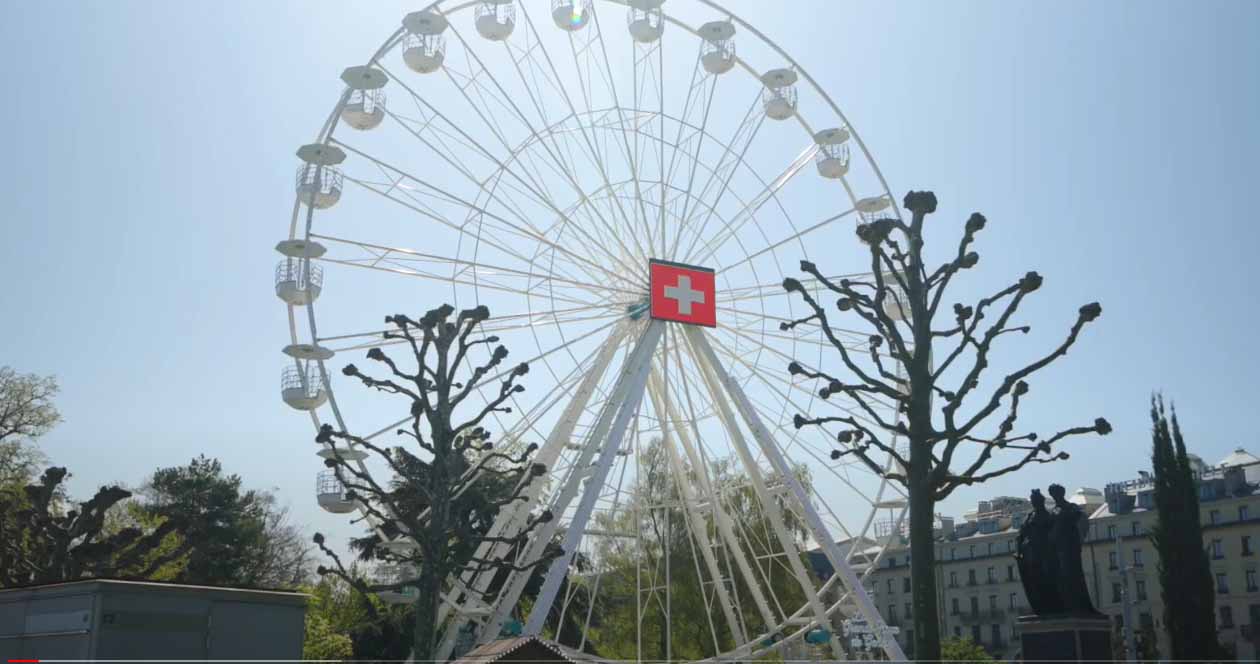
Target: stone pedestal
pixel 1064 638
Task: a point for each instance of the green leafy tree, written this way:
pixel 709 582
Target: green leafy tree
pixel 956 649
pixel 236 536
pixel 449 396
pixel 960 431
pixel 654 511
pixel 27 412
pixel 1185 575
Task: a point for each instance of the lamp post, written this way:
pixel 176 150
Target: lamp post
pixel 1126 604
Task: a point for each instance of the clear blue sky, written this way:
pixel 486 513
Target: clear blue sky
pixel 150 156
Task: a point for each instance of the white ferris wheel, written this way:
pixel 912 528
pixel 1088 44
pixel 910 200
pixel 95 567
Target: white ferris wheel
pixel 536 156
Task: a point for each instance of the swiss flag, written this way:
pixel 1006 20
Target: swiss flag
pixel 682 293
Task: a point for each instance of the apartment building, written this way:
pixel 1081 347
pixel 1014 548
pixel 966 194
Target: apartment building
pixel 980 594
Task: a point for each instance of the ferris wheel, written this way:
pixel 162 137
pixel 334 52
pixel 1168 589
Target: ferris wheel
pixel 625 189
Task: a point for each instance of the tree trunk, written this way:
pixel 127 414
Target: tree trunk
pixel 927 633
pixel 427 604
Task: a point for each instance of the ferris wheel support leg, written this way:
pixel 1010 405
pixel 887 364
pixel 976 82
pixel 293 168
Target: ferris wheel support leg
pixel 712 374
pixel 819 530
pixel 697 522
pixel 627 395
pixel 514 516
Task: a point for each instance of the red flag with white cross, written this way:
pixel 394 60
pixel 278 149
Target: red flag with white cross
pixel 682 293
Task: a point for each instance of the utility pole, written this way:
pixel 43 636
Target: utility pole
pixel 1126 603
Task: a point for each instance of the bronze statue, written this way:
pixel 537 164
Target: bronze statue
pixel 1048 554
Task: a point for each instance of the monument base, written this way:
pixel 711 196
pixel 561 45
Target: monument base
pixel 1064 638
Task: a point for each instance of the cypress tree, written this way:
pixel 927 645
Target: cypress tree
pixel 1185 577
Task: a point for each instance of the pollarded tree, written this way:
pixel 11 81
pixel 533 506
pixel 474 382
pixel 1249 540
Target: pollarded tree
pixel 959 434
pixel 436 499
pixel 41 544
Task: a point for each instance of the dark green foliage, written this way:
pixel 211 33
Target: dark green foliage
pixel 237 537
pixel 1185 577
pixel 42 543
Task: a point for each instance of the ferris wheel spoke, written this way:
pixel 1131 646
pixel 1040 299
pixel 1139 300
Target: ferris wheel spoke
pixel 565 171
pixel 627 150
pixel 749 211
pixel 487 214
pixel 529 183
pixel 466 265
pixel 791 238
pixel 733 155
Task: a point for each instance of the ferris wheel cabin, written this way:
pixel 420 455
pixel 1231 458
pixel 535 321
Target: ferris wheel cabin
pixel 717 53
pixel 496 19
pixel 365 109
pixel 302 386
pixel 331 495
pixel 298 282
pixel 571 15
pixel 645 20
pixel 833 153
pixel 779 96
pixel 424 47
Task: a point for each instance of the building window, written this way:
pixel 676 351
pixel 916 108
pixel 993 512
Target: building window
pixel 971 577
pixel 1136 528
pixel 1010 572
pixel 1141 590
pixel 1113 560
pixel 1115 592
pixel 990 548
pixel 1227 617
pixel 953 606
pixel 1111 532
pixel 1222 583
pixel 892 561
pixel 992 574
pixel 1010 545
pixel 975 606
pixel 890 586
pixel 1137 557
pixel 997 635
pixel 953 553
pixel 892 613
pixel 1243 514
pixel 909 611
pixel 1146 620
pixel 1246 545
pixel 953 579
pixel 1251 581
pixel 1214 516
pixel 905 584
pixel 971 551
pixel 975 633
pixel 1014 600
pixel 1218 549
pixel 957 632
pixel 1253 611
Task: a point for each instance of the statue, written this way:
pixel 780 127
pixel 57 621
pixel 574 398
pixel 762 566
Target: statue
pixel 1036 560
pixel 1048 553
pixel 1068 531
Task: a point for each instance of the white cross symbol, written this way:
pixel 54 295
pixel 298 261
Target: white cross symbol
pixel 684 295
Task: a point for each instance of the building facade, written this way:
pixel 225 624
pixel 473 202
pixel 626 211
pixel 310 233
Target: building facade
pixel 980 594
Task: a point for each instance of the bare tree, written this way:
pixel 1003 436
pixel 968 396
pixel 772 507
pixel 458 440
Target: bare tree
pixel 950 447
pixel 40 544
pixel 437 498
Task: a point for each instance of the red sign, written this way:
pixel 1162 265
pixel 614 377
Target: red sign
pixel 682 293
